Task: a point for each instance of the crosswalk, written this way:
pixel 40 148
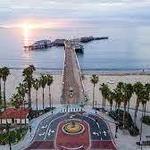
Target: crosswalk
pixel 64 110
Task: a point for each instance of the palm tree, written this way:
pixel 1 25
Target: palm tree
pixel 16 100
pixel 0 86
pixel 94 81
pixel 36 86
pixel 49 82
pixel 5 73
pixel 138 89
pixel 127 91
pixel 43 82
pixel 110 98
pixel 118 97
pixel 28 80
pixel 21 91
pixel 146 96
pixel 129 94
pixel 105 94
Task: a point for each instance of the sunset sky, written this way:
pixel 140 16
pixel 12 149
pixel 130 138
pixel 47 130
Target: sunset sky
pixel 12 12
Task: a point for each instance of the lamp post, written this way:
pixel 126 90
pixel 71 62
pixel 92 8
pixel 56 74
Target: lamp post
pixel 9 140
pixel 141 130
pixel 67 108
pixel 116 130
pixel 81 105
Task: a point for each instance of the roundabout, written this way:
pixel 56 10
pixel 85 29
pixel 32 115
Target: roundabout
pixel 73 131
pixel 73 127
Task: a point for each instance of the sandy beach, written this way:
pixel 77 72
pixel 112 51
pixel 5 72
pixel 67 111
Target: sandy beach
pixel 16 77
pixel 111 79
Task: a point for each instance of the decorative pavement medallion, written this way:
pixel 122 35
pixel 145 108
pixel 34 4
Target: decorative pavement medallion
pixel 73 127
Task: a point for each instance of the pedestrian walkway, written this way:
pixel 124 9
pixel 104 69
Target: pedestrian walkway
pixel 73 91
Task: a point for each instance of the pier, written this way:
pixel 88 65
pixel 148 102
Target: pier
pixel 45 44
pixel 73 91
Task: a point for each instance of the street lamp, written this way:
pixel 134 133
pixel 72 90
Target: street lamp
pixel 9 141
pixel 67 108
pixel 141 129
pixel 116 130
pixel 30 128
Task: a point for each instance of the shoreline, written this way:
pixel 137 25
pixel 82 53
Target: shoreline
pixel 113 72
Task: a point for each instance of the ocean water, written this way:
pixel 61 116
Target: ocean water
pixel 128 47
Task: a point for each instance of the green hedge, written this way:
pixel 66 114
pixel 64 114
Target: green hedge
pixel 36 113
pixel 146 120
pixel 14 136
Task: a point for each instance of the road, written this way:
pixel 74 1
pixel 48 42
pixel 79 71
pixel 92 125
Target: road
pixel 98 131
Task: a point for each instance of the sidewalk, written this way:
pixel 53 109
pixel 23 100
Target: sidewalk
pixel 124 141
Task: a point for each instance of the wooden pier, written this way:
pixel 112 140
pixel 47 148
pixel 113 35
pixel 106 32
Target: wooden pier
pixel 73 91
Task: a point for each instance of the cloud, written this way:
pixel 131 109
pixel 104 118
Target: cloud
pixel 81 10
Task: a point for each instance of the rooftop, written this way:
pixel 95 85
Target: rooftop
pixel 10 113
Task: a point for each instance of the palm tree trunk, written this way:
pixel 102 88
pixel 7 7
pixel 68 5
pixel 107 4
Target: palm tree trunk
pixel 141 127
pixel 116 106
pixel 119 105
pixel 23 102
pixel 43 98
pixel 124 114
pixel 111 106
pixel 145 108
pixel 103 103
pixel 4 92
pixel 0 92
pixel 29 98
pixel 36 99
pixel 50 100
pixel 128 106
pixel 136 111
pixel 93 95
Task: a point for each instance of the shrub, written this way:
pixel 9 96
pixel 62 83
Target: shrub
pixel 146 120
pixel 13 136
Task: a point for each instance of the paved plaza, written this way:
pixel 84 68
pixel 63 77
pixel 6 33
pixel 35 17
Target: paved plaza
pixel 50 133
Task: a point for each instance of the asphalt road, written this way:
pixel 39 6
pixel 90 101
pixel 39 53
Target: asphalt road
pixel 47 128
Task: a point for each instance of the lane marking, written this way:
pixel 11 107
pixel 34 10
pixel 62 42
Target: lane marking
pixel 50 131
pixel 43 127
pixel 105 133
pixel 51 123
pixel 41 134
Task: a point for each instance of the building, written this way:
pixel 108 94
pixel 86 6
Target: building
pixel 14 116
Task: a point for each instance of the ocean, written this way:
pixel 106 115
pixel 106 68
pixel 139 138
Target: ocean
pixel 128 47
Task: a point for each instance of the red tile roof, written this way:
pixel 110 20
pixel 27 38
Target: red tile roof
pixel 10 113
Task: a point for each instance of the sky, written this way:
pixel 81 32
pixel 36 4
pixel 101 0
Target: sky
pixel 14 11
